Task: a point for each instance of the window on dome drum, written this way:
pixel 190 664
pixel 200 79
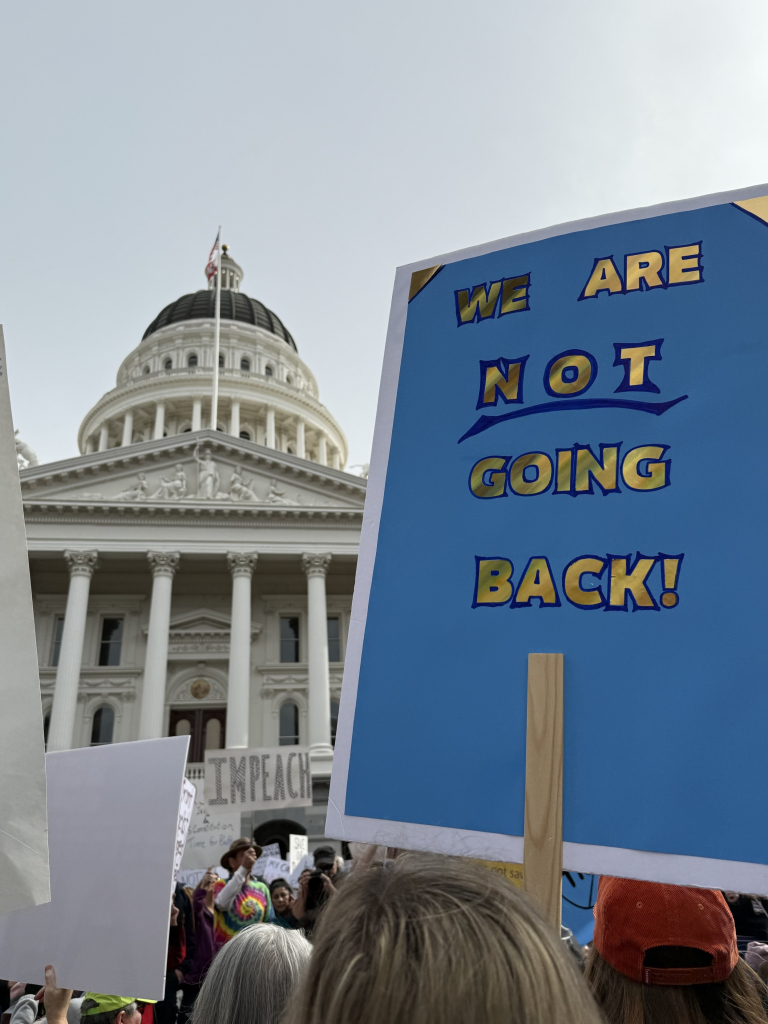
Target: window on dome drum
pixel 221 360
pixel 103 726
pixel 192 361
pixel 289 380
pixel 290 450
pixel 245 364
pixel 168 364
pixel 245 435
pixel 334 720
pixel 334 638
pixel 58 632
pixel 146 369
pixel 289 638
pixel 268 371
pixel 111 641
pixel 289 724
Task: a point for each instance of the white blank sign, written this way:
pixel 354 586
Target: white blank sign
pixel 113 814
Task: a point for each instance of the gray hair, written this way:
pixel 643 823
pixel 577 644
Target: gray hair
pixel 252 977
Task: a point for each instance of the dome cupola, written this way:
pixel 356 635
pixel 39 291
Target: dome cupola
pixel 267 394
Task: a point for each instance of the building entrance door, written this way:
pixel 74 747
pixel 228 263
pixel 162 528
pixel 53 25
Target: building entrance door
pixel 205 727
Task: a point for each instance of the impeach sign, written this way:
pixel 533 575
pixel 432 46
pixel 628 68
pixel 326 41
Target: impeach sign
pixel 258 779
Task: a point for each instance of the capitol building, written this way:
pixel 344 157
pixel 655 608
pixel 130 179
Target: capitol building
pixel 195 578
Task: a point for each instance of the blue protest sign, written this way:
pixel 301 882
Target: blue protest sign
pixel 570 457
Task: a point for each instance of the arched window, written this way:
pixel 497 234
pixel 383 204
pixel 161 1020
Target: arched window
pixel 268 372
pixel 334 719
pixel 289 379
pixel 221 360
pixel 246 435
pixel 146 369
pixel 290 450
pixel 213 734
pixel 168 364
pixel 289 724
pixel 192 361
pixel 245 364
pixel 103 726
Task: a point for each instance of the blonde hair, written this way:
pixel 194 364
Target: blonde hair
pixel 737 1000
pixel 429 939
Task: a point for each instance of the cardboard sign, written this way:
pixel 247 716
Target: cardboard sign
pixel 211 833
pixel 113 815
pixel 298 848
pixel 24 875
pixel 186 809
pixel 570 457
pixel 258 779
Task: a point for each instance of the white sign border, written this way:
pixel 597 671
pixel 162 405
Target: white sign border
pixel 672 868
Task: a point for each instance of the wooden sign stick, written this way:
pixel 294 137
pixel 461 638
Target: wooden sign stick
pixel 543 849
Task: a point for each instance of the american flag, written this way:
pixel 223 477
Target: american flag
pixel 210 267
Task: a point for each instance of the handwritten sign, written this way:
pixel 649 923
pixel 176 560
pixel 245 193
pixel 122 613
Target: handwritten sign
pixel 298 848
pixel 569 457
pixel 211 833
pixel 186 808
pixel 258 779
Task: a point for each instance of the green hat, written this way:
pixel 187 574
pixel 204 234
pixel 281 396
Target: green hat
pixel 95 1002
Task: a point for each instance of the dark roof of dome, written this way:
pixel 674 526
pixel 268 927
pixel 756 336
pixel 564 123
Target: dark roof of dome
pixel 234 306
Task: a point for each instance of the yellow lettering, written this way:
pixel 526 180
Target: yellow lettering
pixel 683 265
pixel 570 373
pixel 537 582
pixel 604 473
pixel 643 267
pixel 496 485
pixel 604 278
pixel 482 304
pixel 514 294
pixel 508 386
pixel 493 581
pixel 622 583
pixel 543 465
pixel 564 464
pixel 655 474
pixel 592 598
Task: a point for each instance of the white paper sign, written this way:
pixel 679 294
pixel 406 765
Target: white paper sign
pixel 186 808
pixel 113 817
pixel 211 833
pixel 307 862
pixel 274 868
pixel 258 779
pixel 24 877
pixel 298 848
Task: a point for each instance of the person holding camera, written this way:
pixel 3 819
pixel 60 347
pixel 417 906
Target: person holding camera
pixel 243 900
pixel 316 887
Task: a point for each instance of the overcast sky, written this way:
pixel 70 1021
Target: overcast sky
pixel 333 141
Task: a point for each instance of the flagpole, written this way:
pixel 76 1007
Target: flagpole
pixel 216 345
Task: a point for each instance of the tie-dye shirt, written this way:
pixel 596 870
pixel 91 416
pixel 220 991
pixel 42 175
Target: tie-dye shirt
pixel 251 905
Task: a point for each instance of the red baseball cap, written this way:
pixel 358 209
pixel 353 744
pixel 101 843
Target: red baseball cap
pixel 632 917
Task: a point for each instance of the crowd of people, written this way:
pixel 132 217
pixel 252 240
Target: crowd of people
pixel 419 939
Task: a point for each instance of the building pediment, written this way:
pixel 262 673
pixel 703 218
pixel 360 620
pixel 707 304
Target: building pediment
pixel 193 470
pixel 202 632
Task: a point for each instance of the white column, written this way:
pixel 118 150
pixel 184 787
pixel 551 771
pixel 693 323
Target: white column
pixel 241 565
pixel 270 428
pixel 322 450
pixel 103 437
pixel 301 447
pixel 234 418
pixel 336 459
pixel 321 751
pixel 81 566
pixel 197 413
pixel 159 420
pixel 128 428
pixel 89 445
pixel 163 564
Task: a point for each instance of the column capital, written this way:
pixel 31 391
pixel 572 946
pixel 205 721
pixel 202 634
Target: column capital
pixel 315 565
pixel 81 563
pixel 163 563
pixel 242 563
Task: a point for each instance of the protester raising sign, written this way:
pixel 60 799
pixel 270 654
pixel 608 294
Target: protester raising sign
pixel 568 458
pixel 257 779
